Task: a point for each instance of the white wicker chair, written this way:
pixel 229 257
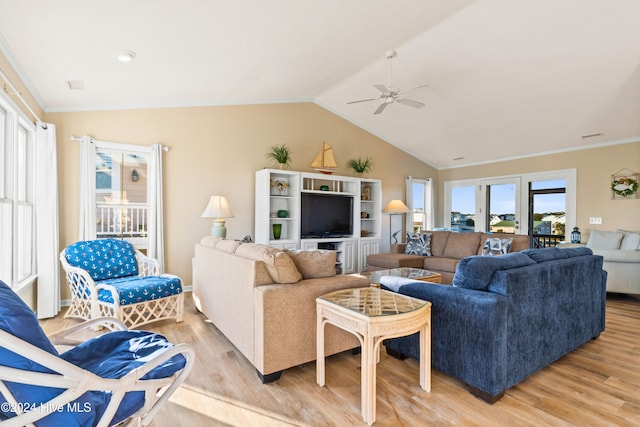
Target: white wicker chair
pixel 100 290
pixel 125 380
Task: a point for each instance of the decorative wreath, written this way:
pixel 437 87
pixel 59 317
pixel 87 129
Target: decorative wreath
pixel 624 186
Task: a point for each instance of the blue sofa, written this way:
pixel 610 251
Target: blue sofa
pixel 506 317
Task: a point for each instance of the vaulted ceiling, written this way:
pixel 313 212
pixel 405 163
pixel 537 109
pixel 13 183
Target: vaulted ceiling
pixel 506 78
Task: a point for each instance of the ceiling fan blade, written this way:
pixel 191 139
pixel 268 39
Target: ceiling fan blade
pixel 362 100
pixel 414 88
pixel 382 88
pixel 381 108
pixel 410 103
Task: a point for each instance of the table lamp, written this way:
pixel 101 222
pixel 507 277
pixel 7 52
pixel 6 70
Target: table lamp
pixel 395 207
pixel 218 208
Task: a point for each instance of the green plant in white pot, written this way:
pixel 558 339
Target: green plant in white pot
pixel 361 165
pixel 280 154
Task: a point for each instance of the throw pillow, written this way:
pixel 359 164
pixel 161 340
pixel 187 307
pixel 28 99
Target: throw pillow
pixel 229 246
pixel 605 240
pixel 630 241
pixel 210 241
pixel 314 264
pixel 418 244
pixel 279 264
pixel 496 246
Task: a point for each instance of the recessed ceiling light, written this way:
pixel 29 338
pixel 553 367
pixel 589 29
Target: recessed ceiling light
pixel 124 55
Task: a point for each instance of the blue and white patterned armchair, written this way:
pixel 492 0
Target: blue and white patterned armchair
pixel 110 278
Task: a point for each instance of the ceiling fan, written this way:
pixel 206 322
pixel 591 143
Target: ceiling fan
pixel 390 94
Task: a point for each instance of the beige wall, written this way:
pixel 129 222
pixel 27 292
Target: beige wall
pixel 216 150
pixel 594 169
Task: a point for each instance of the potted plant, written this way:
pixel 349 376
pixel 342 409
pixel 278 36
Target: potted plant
pixel 281 154
pixel 361 165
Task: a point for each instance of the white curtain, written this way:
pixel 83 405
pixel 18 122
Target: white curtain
pixel 429 204
pixel 48 242
pixel 155 212
pixel 87 219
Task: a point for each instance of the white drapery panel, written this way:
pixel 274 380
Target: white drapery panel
pixel 87 217
pixel 429 202
pixel 48 241
pixel 155 212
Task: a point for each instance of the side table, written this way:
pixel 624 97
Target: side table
pixel 373 315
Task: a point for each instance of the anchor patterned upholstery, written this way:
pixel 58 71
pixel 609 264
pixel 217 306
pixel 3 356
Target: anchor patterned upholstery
pixel 139 289
pixel 109 277
pixel 104 258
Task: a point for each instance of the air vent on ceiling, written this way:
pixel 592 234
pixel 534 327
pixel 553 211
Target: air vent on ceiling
pixel 592 135
pixel 75 84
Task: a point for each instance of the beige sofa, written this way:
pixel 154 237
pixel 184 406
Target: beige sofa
pixel 263 300
pixel 447 249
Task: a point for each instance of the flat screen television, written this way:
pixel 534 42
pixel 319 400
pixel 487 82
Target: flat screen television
pixel 326 216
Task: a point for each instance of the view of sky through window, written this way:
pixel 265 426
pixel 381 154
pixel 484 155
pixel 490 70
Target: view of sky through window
pixel 463 199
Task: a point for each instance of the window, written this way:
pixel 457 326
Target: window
pixel 17 194
pixel 544 202
pixel 463 209
pixel 420 204
pixel 121 195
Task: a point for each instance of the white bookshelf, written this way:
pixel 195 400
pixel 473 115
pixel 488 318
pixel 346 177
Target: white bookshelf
pixel 351 251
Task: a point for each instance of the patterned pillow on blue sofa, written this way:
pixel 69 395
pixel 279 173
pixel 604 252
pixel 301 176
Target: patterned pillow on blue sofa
pixel 418 244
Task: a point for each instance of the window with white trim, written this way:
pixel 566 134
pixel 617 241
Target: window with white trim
pixel 17 193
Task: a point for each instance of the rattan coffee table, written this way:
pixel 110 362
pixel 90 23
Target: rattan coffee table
pixel 373 315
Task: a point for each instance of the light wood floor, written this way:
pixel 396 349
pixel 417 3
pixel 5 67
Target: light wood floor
pixel 595 385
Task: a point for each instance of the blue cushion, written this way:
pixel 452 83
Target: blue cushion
pixel 475 272
pixel 111 355
pixel 136 289
pixel 115 354
pixel 103 258
pixel 19 320
pixel 581 251
pixel 545 254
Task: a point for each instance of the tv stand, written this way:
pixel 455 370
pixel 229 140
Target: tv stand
pixel 277 202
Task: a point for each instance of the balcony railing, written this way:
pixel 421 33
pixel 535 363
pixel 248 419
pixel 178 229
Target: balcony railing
pixel 128 221
pixel 546 240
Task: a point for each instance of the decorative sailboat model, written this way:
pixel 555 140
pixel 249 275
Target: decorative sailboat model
pixel 324 161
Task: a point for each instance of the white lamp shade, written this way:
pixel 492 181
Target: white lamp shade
pixel 396 207
pixel 218 207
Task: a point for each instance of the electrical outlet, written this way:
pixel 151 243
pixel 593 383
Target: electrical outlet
pixel 595 220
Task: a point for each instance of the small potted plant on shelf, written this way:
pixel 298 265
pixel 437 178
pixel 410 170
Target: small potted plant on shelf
pixel 281 154
pixel 361 165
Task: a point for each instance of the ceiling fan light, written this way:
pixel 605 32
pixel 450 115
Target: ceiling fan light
pixel 124 55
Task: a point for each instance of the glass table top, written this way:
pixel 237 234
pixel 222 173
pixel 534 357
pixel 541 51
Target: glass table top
pixel 410 273
pixel 373 301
